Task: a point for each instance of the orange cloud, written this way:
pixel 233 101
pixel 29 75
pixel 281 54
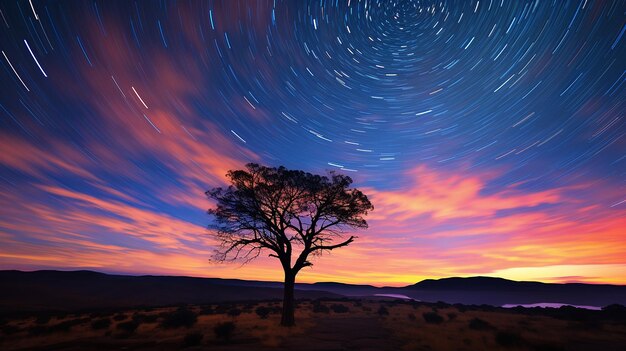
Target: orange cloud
pixel 445 196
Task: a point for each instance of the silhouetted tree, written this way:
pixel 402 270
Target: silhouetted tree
pixel 288 213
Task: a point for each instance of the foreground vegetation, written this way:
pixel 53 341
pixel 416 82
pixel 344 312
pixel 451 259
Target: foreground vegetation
pixel 322 325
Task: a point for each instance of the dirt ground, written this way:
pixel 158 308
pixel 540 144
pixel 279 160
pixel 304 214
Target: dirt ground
pixel 321 326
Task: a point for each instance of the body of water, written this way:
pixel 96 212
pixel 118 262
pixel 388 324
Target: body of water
pixel 551 305
pixel 396 296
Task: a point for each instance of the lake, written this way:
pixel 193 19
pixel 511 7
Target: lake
pixel 552 305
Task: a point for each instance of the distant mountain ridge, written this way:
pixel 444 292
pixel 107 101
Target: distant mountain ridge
pixel 81 290
pixel 75 290
pixel 481 282
pixel 499 291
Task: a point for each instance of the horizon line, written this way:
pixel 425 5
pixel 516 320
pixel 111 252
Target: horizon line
pixel 128 274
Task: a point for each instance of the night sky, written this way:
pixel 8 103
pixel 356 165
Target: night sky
pixel 489 135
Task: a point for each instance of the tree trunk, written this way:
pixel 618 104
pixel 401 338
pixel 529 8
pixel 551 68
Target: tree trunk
pixel 288 318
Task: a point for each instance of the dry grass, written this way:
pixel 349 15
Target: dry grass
pixel 404 326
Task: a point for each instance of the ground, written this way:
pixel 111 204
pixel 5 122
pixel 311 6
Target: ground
pixel 321 325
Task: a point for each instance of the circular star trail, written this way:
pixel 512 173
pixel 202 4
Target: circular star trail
pixel 371 86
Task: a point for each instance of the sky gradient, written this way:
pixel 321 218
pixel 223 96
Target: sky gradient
pixel 488 135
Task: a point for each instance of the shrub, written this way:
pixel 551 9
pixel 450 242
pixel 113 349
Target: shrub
pixel 616 308
pixel 9 329
pixel 249 307
pixel 383 311
pixel 339 308
pixel 460 307
pixel 208 310
pixel 320 308
pixel 128 326
pixel 509 339
pixel 487 308
pixel 145 318
pixel 221 309
pixel 43 319
pixel 441 304
pixel 452 316
pixel 432 318
pixel 615 312
pixel 37 330
pixel 193 339
pixel 479 324
pixel 97 315
pixel 67 325
pixel 262 312
pixel 182 317
pixel 234 312
pixel 119 317
pixel 224 331
pixel 412 317
pixel 102 323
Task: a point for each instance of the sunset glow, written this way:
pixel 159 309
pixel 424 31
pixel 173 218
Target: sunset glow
pixel 104 160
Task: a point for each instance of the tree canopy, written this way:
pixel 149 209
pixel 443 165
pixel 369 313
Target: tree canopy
pixel 276 209
pixel 290 214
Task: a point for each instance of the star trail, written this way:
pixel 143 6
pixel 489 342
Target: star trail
pixel 489 134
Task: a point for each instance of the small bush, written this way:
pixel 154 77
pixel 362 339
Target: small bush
pixel 103 323
pixel 234 312
pixel 615 312
pixel 479 324
pixel 617 308
pixel 145 318
pixel 249 307
pixel 65 326
pixel 120 317
pixel 37 330
pixel 339 308
pixel 182 317
pixel 9 329
pixel 208 310
pixel 460 307
pixel 221 309
pixel 382 311
pixel 128 326
pixel 320 308
pixel 263 312
pixel 224 331
pixel 193 339
pixel 509 339
pixel 43 319
pixel 441 304
pixel 452 316
pixel 412 317
pixel 97 315
pixel 432 318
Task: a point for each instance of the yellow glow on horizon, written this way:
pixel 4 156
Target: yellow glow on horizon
pixel 584 273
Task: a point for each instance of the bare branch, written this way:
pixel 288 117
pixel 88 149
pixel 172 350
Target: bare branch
pixel 274 209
